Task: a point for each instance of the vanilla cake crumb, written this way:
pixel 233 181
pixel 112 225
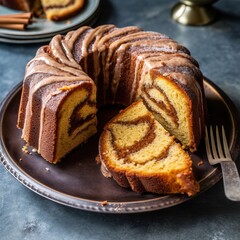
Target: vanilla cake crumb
pixel 104 203
pixel 25 149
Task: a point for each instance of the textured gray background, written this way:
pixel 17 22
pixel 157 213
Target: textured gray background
pixel 26 215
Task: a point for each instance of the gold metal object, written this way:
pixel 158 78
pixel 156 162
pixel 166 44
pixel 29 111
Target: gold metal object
pixel 194 12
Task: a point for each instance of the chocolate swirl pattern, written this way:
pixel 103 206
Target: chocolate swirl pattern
pixel 139 153
pixel 124 65
pixel 60 10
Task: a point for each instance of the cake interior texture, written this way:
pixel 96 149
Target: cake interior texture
pixel 77 129
pixel 175 113
pixel 61 9
pixel 139 153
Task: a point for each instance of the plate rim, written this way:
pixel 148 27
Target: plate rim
pixel 157 203
pixel 29 34
pixel 90 21
pixel 45 39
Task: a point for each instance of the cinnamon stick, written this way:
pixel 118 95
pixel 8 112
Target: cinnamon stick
pixel 14 20
pixel 18 15
pixel 17 21
pixel 13 26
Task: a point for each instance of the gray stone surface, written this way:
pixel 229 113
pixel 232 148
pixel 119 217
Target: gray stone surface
pixel 26 215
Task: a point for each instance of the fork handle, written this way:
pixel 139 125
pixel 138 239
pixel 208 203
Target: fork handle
pixel 231 180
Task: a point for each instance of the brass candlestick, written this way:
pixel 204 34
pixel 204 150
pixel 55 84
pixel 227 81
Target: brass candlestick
pixel 194 12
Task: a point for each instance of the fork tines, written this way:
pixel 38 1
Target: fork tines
pixel 220 151
pixel 218 154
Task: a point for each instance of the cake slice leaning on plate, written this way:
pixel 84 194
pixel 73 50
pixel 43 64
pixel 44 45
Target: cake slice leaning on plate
pixel 139 153
pixel 57 10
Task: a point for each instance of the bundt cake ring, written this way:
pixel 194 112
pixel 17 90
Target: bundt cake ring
pixel 70 78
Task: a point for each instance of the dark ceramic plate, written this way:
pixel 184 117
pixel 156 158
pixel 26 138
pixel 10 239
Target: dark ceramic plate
pixel 78 182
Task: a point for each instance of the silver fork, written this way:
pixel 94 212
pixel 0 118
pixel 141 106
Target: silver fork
pixel 217 154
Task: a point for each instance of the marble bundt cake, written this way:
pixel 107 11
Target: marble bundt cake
pixel 139 153
pixel 124 64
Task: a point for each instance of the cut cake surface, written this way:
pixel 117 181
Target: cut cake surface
pixel 139 153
